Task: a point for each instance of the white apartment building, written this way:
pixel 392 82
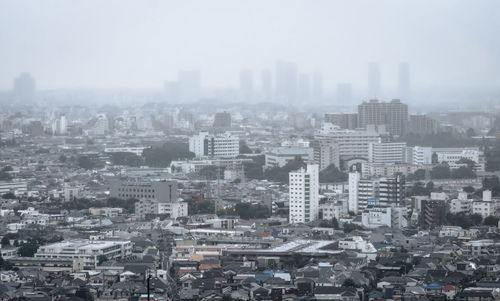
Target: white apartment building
pixel 384 192
pixel 421 155
pixel 304 194
pixel 351 143
pixel 394 152
pixel 485 207
pixel 391 217
pixel 453 155
pixel 173 209
pixel 461 204
pixel 387 169
pixel 280 156
pixel 16 187
pixel 353 202
pixel 222 145
pixel 126 149
pixel 88 250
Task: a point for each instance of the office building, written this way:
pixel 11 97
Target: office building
pixel 163 191
pixel 393 152
pixel 222 145
pixel 454 157
pixel 373 80
pixel 90 251
pixel 222 120
pixel 304 194
pixel 326 152
pixel 286 82
pixel 24 89
pixel 353 202
pixel 433 213
pixel 404 81
pixel 343 120
pixel 393 114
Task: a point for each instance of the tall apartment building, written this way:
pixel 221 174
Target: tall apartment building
pixel 222 120
pixel 422 125
pixel 382 192
pixel 326 152
pixel 344 120
pixel 394 152
pixel 222 145
pixel 393 114
pixel 304 194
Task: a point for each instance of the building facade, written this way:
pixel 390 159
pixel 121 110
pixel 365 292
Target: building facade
pixel 304 194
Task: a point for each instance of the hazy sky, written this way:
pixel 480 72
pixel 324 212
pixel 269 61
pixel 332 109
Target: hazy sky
pixel 139 44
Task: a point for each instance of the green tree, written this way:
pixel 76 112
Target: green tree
pixel 441 172
pixel 85 162
pixel 335 223
pixel 468 189
pixel 28 249
pixel 349 227
pixel 349 283
pixel 491 221
pixel 101 259
pixel 332 174
pixel 418 175
pixel 434 158
pixel 162 156
pixel 9 196
pixel 5 241
pixel 244 149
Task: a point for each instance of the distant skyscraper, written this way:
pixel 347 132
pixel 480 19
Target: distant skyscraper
pixel 404 81
pixel 286 82
pixel 317 86
pixel 24 88
pixel 189 85
pixel 266 85
pixel 373 80
pixel 304 88
pixel 344 93
pixel 171 91
pixel 246 85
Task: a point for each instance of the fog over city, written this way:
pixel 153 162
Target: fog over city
pixel 140 44
pixel 249 150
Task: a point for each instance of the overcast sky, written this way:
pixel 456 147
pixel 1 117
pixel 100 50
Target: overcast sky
pixel 139 44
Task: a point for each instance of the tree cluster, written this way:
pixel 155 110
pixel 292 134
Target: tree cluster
pixel 332 174
pixel 247 211
pixel 162 156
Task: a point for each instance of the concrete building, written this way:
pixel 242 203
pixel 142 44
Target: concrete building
pixel 421 155
pixel 222 145
pixel 387 169
pixel 377 217
pixel 326 152
pixel 331 210
pixel 393 114
pixel 422 125
pixel 222 120
pixel 394 152
pixel 280 156
pixel 461 205
pixel 485 207
pixel 91 251
pixel 452 156
pixel 352 144
pixel 383 192
pixel 343 120
pixel 137 150
pixel 304 194
pixel 16 187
